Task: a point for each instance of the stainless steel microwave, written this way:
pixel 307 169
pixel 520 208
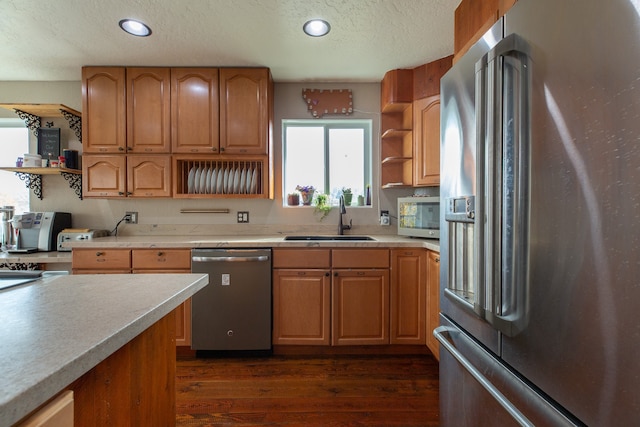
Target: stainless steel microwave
pixel 419 216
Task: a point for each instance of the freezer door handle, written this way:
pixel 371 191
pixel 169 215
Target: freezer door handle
pixel 503 183
pixel 230 258
pixel 439 333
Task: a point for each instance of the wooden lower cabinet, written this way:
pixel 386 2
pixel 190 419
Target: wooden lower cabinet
pixel 408 296
pixel 330 296
pixel 433 300
pixel 360 307
pixel 301 306
pixel 140 261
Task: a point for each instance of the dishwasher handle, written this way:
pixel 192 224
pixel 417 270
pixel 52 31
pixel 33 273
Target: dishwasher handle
pixel 259 258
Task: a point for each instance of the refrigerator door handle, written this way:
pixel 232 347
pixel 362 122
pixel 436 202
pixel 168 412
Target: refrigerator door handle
pixel 503 243
pixel 439 333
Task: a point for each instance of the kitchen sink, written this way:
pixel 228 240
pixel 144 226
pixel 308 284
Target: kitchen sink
pixel 330 238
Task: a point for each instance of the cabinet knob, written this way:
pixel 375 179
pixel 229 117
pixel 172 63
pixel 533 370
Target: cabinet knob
pixel 327 274
pixel 438 259
pixel 129 193
pixel 99 253
pixel 221 148
pixel 335 274
pixel 160 253
pixel 120 149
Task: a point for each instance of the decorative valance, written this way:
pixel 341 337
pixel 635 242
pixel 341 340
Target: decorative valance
pixel 332 101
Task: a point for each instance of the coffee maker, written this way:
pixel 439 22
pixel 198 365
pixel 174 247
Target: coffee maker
pixel 38 231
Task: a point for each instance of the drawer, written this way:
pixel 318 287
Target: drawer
pixel 301 258
pixel 360 258
pixel 161 259
pixel 101 259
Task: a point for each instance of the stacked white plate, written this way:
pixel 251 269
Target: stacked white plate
pixel 229 180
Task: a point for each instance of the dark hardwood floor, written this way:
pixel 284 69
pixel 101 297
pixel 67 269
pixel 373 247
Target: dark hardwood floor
pixel 328 390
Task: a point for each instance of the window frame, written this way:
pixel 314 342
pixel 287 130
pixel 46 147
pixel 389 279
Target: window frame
pixel 366 125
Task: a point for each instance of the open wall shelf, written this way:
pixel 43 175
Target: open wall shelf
pixel 33 178
pixel 32 114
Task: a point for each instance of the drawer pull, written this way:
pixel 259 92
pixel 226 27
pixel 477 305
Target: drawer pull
pixel 160 253
pixel 99 253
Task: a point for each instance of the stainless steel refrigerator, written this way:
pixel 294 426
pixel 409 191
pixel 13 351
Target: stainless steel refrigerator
pixel 540 220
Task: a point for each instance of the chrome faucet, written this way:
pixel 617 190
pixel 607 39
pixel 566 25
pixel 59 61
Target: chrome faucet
pixel 343 210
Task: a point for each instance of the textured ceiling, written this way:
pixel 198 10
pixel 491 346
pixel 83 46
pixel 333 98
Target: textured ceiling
pixel 51 40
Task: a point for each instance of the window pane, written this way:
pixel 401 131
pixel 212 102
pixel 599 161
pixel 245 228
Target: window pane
pixel 346 160
pixel 304 163
pixel 13 192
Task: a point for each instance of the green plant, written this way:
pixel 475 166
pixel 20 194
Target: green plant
pixel 346 190
pixel 322 207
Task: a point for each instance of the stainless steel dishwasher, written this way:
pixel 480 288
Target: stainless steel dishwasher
pixel 233 312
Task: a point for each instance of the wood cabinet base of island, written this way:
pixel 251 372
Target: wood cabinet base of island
pixel 134 386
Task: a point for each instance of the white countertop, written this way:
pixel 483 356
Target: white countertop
pixel 272 241
pixel 56 329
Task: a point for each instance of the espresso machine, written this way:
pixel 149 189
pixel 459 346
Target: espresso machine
pixel 38 231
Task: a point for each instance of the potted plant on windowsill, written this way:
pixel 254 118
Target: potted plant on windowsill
pixel 348 195
pixel 293 199
pixel 306 192
pixel 323 206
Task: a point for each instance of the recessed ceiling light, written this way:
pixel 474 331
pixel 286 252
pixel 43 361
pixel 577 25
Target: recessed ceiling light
pixel 316 28
pixel 135 28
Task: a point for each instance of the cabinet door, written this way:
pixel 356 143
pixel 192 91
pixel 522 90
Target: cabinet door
pixel 245 110
pixel 104 117
pixel 360 307
pixel 149 176
pixel 426 141
pixel 148 110
pixel 103 176
pixel 408 296
pixel 301 307
pixel 194 110
pixel 433 300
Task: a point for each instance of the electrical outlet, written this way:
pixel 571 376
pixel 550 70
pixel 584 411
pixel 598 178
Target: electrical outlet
pixel 243 216
pixel 132 217
pixel 384 218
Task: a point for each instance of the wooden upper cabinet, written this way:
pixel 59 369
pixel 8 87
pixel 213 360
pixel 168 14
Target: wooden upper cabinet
pixel 148 110
pixel 396 90
pixel 194 110
pixel 426 77
pixel 103 176
pixel 148 176
pixel 245 110
pixel 473 18
pixel 426 141
pixel 126 176
pixel 104 117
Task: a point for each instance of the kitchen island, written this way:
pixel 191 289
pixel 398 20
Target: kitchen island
pixel 89 332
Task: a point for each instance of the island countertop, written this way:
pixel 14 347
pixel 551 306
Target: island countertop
pixel 56 329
